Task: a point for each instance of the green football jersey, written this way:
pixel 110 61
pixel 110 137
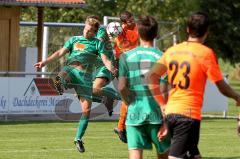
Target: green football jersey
pixel 102 36
pixel 134 65
pixel 84 51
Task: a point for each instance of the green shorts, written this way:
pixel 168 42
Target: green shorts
pixel 103 72
pixel 143 136
pixel 79 80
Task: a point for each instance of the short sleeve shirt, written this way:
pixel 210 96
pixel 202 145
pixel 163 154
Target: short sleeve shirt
pixel 84 50
pixel 189 65
pixel 134 66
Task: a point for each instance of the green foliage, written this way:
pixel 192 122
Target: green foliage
pixel 232 70
pixel 224 32
pixel 28 14
pixel 28 36
pixel 225 29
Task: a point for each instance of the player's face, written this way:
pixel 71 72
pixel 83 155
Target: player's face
pixel 130 23
pixel 89 31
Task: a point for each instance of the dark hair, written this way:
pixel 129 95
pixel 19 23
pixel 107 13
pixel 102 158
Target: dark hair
pixel 124 16
pixel 91 20
pixel 147 28
pixel 198 24
pixel 94 16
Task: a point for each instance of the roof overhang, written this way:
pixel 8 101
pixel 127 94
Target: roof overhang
pixel 45 3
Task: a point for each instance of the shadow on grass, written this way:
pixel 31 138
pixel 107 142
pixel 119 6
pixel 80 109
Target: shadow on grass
pixel 48 121
pixel 31 122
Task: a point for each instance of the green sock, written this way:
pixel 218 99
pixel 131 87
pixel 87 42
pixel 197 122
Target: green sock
pixel 110 92
pixel 83 123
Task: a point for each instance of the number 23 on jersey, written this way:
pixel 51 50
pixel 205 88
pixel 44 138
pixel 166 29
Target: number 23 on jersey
pixel 179 74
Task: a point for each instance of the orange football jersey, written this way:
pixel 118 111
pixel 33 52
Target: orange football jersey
pixel 189 65
pixel 126 41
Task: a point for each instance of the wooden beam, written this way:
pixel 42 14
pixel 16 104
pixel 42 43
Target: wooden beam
pixel 40 34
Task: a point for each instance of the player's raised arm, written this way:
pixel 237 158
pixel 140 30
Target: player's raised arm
pixel 56 55
pixel 109 64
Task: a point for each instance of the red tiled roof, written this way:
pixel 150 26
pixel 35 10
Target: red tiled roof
pixel 44 3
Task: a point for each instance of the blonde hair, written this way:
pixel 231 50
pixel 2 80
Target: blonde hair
pixel 92 21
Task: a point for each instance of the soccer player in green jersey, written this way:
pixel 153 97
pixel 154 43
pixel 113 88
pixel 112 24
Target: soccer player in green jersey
pixel 144 117
pixel 101 92
pixel 77 73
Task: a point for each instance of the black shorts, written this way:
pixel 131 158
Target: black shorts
pixel 184 133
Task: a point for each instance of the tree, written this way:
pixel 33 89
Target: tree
pixel 225 29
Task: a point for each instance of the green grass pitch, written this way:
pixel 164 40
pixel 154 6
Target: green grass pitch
pixel 54 140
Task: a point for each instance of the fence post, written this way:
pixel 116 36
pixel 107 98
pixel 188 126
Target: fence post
pixel 154 43
pixel 174 39
pixel 224 114
pixel 105 20
pixel 45 47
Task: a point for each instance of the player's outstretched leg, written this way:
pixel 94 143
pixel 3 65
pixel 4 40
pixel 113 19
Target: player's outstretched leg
pixel 109 96
pixel 61 81
pixel 105 95
pixel 120 130
pixel 83 123
pixel 108 102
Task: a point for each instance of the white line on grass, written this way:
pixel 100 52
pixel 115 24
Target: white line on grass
pixel 31 150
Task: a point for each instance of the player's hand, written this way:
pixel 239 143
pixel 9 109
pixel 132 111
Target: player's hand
pixel 39 64
pixel 115 72
pixel 162 133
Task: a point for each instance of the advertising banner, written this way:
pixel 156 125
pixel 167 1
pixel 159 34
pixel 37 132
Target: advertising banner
pixel 27 95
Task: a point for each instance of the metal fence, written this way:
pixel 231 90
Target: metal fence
pixel 55 34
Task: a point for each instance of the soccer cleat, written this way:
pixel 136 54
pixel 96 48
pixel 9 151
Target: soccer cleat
pixel 121 134
pixel 58 85
pixel 108 102
pixel 110 113
pixel 79 146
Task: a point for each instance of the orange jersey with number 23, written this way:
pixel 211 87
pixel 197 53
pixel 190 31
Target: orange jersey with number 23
pixel 189 65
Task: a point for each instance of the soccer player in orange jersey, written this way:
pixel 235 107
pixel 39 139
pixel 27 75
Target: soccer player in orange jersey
pixel 129 38
pixel 126 41
pixel 188 65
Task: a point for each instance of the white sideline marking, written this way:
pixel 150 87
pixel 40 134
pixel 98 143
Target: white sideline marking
pixel 32 150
